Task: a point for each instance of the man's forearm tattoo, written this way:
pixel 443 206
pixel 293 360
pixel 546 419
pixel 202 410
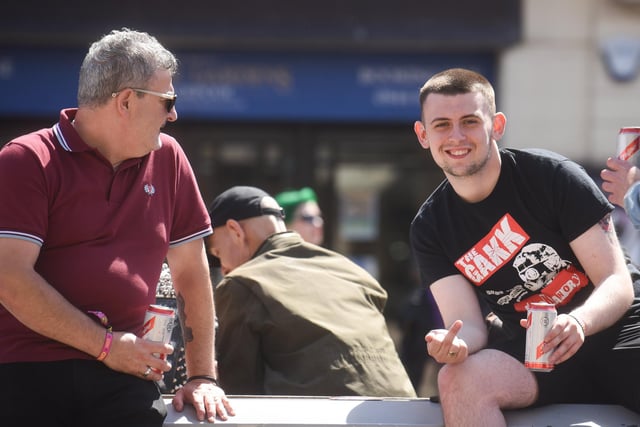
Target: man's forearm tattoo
pixel 187 332
pixel 606 223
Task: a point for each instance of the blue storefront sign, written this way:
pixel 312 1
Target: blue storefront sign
pixel 249 86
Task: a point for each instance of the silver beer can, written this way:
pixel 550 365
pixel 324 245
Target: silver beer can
pixel 629 145
pixel 158 325
pixel 540 318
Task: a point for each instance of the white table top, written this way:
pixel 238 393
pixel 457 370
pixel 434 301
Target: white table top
pixel 276 411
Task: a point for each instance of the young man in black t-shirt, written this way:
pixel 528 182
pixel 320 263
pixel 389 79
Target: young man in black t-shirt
pixel 507 228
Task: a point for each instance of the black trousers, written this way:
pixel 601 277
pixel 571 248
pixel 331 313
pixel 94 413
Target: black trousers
pixel 605 370
pixel 76 393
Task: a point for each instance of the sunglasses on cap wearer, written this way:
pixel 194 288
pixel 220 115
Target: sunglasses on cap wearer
pixel 169 97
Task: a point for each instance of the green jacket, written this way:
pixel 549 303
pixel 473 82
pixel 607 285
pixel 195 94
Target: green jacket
pixel 299 319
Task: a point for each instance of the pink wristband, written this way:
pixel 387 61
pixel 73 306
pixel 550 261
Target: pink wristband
pixel 106 347
pixel 108 338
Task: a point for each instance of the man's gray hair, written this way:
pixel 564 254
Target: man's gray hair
pixel 123 58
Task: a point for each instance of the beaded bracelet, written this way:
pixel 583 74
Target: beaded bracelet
pixel 204 377
pixel 101 317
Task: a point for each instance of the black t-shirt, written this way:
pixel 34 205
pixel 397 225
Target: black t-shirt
pixel 513 246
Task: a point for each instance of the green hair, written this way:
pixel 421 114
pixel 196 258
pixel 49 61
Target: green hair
pixel 290 200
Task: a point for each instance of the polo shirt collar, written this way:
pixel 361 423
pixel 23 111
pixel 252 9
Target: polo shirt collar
pixel 66 134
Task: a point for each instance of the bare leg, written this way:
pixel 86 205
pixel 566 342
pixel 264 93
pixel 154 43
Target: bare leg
pixel 474 392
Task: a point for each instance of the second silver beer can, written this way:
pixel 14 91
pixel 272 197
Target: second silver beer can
pixel 540 318
pixel 158 323
pixel 629 145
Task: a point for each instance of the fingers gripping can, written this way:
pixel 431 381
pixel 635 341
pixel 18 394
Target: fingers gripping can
pixel 629 145
pixel 540 317
pixel 158 324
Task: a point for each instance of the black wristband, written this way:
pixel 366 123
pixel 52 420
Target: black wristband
pixel 580 323
pixel 204 377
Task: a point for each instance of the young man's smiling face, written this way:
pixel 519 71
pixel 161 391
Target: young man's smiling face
pixel 458 129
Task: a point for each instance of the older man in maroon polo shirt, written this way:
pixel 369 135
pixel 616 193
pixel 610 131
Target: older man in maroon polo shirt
pixel 89 209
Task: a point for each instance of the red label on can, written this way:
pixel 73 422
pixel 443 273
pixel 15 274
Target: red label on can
pixel 540 318
pixel 158 323
pixel 628 143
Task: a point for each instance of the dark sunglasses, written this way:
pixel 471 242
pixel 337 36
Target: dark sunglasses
pixel 169 97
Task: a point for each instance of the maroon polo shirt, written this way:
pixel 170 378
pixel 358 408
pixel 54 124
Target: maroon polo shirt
pixel 103 234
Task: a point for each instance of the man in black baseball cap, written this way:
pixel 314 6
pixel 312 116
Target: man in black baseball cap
pixel 239 203
pixel 242 202
pixel 295 318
